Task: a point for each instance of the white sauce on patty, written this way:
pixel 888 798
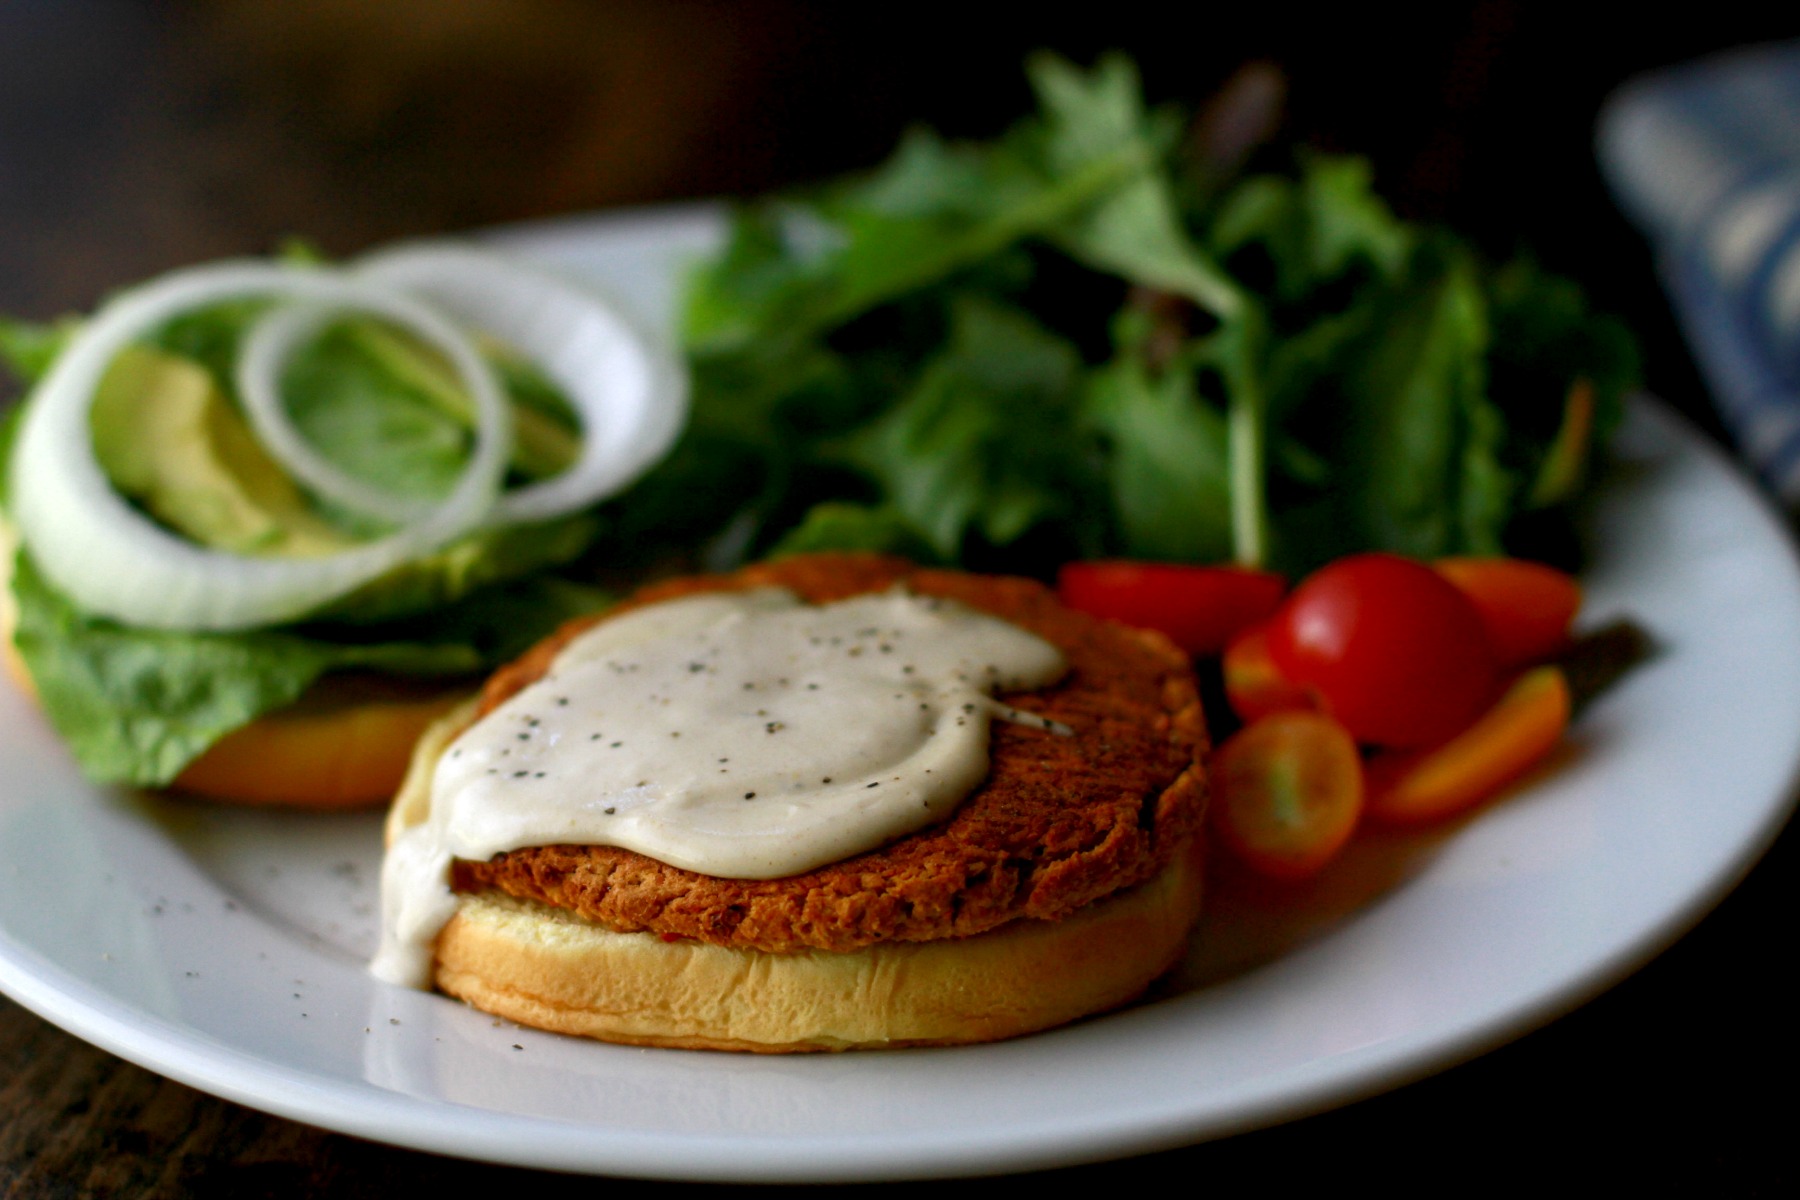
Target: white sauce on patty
pixel 744 735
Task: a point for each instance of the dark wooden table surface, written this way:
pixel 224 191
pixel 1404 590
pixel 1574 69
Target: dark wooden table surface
pixel 136 137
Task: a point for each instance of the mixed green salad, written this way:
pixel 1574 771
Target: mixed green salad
pixel 1092 337
pixel 1086 338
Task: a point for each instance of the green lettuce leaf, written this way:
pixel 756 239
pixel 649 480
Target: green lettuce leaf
pixel 1414 438
pixel 1135 230
pixel 136 705
pixel 839 526
pixel 949 455
pixel 1313 229
pixel 1170 471
pixel 27 348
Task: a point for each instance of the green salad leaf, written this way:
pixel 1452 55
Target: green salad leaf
pixel 947 452
pixel 28 348
pixel 136 705
pixel 1170 451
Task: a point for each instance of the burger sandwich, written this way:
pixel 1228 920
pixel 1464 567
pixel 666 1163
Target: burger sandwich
pixel 828 802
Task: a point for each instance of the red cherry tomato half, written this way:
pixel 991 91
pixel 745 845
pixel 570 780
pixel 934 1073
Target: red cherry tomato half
pixel 1287 792
pixel 1391 648
pixel 1526 606
pixel 1199 608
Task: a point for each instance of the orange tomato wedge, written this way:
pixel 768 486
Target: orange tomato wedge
pixel 1526 607
pixel 1566 461
pixel 1254 685
pixel 1287 793
pixel 1505 742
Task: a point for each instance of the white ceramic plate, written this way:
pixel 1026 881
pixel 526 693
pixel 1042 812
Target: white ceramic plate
pixel 224 948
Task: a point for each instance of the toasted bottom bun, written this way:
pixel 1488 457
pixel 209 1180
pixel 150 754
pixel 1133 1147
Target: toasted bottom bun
pixel 345 744
pixel 545 967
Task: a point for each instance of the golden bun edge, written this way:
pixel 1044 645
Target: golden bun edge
pixel 550 969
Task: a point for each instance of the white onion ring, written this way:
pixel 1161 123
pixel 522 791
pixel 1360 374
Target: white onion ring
pixel 114 562
pixel 629 394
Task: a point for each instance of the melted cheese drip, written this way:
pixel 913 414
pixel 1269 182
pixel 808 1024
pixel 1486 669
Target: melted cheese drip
pixel 742 735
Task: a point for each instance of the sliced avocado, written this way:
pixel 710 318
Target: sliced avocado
pixel 168 439
pixel 542 444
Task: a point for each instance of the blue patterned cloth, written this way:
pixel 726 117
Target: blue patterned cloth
pixel 1705 158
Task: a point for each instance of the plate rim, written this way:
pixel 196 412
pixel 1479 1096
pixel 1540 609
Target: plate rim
pixel 445 1127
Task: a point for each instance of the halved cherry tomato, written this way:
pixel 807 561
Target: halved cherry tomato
pixel 1287 792
pixel 1526 606
pixel 1391 648
pixel 1254 685
pixel 1504 743
pixel 1199 608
